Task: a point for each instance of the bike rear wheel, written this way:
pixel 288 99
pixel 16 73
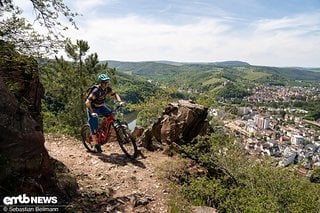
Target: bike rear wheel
pixel 126 141
pixel 86 137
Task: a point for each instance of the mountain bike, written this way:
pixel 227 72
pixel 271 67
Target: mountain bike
pixel 125 139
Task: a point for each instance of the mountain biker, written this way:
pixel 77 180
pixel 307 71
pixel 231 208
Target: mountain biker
pixel 96 106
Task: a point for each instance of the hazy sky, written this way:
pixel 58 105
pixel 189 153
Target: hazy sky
pixel 260 32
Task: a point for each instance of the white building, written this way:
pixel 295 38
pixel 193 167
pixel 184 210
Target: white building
pixel 251 127
pixel 289 157
pixel 297 139
pixel 215 112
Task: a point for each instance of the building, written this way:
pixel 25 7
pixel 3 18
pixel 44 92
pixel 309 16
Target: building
pixel 297 139
pixel 243 110
pixel 262 122
pixel 251 127
pixel 289 157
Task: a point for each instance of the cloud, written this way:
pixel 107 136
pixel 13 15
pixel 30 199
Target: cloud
pixel 304 22
pixel 134 38
pixel 86 6
pixel 268 42
pixel 286 41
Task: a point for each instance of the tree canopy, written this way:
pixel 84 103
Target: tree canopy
pixel 16 29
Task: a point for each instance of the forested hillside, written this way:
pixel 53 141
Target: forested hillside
pixel 202 75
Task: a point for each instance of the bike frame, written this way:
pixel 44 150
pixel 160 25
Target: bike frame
pixel 105 128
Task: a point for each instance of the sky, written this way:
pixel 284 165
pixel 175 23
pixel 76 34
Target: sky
pixel 261 32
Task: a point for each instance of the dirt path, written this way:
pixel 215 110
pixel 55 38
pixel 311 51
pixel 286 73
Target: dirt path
pixel 110 182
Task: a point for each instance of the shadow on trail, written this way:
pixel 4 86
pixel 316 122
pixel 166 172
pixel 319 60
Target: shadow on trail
pixel 120 159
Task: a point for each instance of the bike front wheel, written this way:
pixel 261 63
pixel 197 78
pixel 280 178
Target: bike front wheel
pixel 126 141
pixel 86 137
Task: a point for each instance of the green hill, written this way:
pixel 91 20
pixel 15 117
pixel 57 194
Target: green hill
pixel 134 89
pixel 145 69
pixel 201 75
pixel 292 73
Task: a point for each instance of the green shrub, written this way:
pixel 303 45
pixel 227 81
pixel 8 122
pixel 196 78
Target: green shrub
pixel 236 183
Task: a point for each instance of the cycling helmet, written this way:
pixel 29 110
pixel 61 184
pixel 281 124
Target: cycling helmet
pixel 103 78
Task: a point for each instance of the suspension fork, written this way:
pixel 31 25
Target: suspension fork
pixel 108 131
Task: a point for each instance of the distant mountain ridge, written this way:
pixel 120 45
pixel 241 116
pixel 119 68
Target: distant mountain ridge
pixel 113 63
pixel 231 63
pixel 213 72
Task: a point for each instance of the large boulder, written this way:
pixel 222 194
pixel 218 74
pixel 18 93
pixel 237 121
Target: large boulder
pixel 24 162
pixel 180 123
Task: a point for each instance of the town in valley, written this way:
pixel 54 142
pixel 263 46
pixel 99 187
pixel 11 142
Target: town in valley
pixel 283 133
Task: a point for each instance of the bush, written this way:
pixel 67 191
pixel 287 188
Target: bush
pixel 242 184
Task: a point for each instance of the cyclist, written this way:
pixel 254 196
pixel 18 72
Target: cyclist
pixel 96 106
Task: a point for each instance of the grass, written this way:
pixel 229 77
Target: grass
pixel 254 75
pixel 213 81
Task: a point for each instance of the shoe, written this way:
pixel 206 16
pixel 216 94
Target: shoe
pixel 97 148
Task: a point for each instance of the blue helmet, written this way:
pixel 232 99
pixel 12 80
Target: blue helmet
pixel 103 78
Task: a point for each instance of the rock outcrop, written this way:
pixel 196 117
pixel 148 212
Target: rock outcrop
pixel 25 164
pixel 180 123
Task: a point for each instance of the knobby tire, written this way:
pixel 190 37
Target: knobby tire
pixel 126 141
pixel 86 137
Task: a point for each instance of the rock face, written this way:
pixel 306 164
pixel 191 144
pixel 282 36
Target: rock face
pixel 25 164
pixel 179 123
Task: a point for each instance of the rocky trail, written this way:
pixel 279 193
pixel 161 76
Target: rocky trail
pixel 110 182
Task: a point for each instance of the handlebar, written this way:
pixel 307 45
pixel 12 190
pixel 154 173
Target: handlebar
pixel 116 109
pixel 112 111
